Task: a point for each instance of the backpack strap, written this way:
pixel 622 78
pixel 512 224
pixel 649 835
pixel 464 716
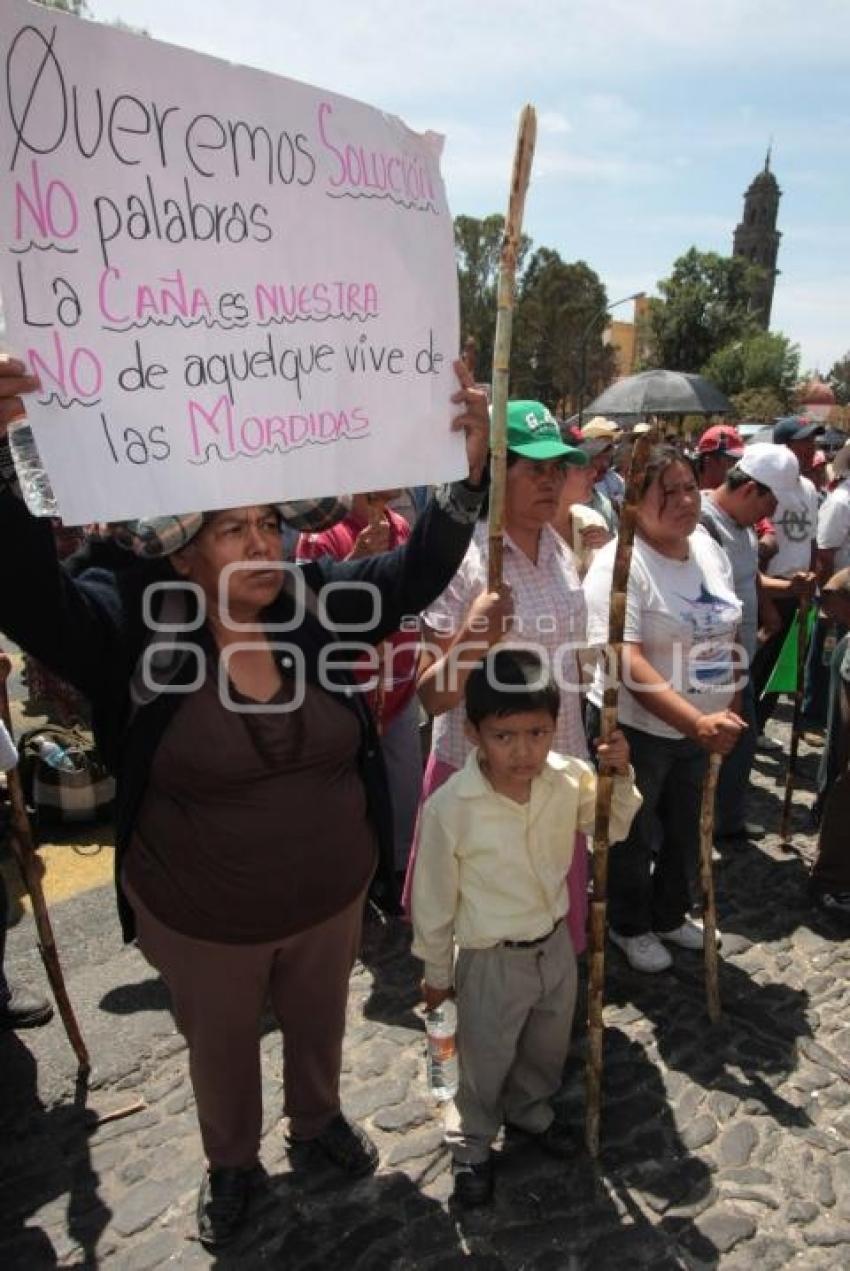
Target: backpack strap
pixel 708 523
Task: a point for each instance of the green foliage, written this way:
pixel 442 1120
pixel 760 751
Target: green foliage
pixel 704 305
pixel 478 245
pixel 764 360
pixel 556 340
pixel 758 404
pixel 78 7
pixel 559 307
pixel 839 380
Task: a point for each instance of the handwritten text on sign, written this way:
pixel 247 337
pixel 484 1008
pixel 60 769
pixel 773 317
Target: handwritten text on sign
pixel 233 287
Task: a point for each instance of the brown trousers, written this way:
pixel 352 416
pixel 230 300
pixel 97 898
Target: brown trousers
pixel 218 993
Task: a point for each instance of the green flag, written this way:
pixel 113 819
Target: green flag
pixel 783 677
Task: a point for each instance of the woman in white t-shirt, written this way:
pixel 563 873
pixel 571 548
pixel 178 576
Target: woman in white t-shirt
pixel 682 617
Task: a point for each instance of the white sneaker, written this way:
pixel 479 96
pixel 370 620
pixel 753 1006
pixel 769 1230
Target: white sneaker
pixel 643 953
pixel 689 935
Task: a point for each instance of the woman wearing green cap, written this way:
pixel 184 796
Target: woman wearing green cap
pixel 251 807
pixel 540 603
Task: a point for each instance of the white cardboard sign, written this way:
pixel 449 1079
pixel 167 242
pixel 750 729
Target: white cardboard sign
pixel 235 288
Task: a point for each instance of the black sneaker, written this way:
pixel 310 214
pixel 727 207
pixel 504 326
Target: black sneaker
pixel 23 1009
pixel 833 902
pixel 556 1140
pixel 222 1204
pixel 342 1143
pixel 473 1183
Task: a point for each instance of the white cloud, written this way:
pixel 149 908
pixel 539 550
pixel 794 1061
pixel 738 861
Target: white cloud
pixel 554 122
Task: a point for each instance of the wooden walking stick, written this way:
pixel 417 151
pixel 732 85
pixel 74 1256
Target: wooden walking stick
pixel 523 155
pixel 802 637
pixel 376 513
pixel 706 870
pixel 23 847
pixel 612 656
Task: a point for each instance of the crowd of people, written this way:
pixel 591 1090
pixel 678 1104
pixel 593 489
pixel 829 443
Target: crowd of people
pixel 262 797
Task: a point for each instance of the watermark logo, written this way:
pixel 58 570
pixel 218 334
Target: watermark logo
pixel 173 611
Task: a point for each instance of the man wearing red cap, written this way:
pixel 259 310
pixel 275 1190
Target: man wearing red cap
pixel 718 450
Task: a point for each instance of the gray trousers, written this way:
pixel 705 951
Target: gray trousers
pixel 515 1013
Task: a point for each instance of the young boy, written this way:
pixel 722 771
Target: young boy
pixel 495 845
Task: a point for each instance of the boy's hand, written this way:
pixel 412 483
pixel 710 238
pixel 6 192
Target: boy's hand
pixel 433 997
pixel 614 754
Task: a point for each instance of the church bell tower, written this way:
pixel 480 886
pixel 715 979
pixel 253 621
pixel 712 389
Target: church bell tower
pixel 757 238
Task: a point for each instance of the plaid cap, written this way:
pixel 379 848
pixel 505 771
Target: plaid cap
pixel 157 536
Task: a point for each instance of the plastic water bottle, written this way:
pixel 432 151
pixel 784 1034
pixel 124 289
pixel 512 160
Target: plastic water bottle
pixel 441 1029
pixel 32 475
pixel 55 755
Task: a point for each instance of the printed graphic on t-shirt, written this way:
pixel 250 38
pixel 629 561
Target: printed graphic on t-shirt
pixel 796 524
pixel 710 618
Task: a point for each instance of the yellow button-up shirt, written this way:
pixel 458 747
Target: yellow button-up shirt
pixel 490 869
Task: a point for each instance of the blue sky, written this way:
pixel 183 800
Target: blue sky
pixel 654 115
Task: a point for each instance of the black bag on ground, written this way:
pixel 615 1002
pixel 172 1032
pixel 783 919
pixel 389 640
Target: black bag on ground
pixel 64 779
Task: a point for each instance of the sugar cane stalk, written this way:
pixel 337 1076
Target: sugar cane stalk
pixel 523 156
pixel 23 848
pixel 605 787
pixel 802 635
pixel 706 869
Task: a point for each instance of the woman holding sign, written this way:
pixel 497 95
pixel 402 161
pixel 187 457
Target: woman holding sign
pixel 252 812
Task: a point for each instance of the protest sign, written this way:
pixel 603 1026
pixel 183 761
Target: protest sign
pixel 234 288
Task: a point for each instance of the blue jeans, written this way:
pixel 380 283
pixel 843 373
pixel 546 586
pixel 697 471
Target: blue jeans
pixel 730 809
pixel 669 774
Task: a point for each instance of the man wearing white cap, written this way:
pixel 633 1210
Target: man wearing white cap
pixel 833 554
pixel 789 573
pixel 764 476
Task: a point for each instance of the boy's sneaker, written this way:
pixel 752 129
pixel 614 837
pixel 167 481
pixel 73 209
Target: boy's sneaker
pixel 644 952
pixel 690 934
pixel 473 1183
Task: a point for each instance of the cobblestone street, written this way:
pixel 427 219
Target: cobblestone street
pixel 726 1146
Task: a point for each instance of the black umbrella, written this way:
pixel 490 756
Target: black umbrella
pixel 660 393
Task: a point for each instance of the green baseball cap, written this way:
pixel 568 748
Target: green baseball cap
pixel 533 432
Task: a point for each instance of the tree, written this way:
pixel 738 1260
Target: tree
pixel 764 360
pixel 556 305
pixel 478 246
pixel 758 404
pixel 839 380
pixel 78 7
pixel 705 305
